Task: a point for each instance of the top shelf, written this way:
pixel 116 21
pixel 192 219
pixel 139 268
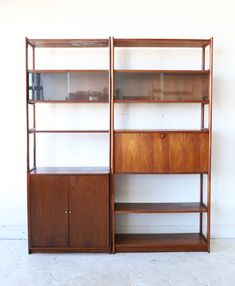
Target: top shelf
pixel 162 43
pixel 69 43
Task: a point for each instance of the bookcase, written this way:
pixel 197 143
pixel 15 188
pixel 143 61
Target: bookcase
pixel 163 151
pixel 68 196
pixel 71 197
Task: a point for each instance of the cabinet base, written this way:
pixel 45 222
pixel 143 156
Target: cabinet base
pixel 67 250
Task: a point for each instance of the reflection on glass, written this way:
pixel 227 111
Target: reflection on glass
pixel 152 86
pixel 74 86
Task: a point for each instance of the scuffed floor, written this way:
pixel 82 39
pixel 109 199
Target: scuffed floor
pixel 135 269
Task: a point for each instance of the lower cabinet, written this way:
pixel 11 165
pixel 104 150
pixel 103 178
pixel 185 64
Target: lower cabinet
pixel 69 212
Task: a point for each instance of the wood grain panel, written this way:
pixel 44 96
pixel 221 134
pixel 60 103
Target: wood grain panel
pixel 161 152
pixel 188 152
pixel 133 152
pixel 49 201
pixel 89 211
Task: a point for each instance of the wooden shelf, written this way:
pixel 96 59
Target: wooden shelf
pixel 159 101
pixel 162 43
pixel 123 208
pixel 67 131
pixel 68 71
pixel 160 242
pixel 159 130
pixel 69 43
pixel 65 101
pixel 163 71
pixel 69 170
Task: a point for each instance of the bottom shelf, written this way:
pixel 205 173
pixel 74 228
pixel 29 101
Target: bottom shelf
pixel 160 242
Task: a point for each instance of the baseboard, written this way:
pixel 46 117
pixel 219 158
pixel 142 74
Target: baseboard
pixel 222 231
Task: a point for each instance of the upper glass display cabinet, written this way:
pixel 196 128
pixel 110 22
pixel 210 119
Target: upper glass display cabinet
pixel 82 86
pixel 165 86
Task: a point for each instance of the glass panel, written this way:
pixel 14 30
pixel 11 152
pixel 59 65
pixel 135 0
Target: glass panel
pixel 74 86
pixel 152 86
pixel 88 86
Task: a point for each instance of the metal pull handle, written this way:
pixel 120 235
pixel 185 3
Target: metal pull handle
pixel 162 136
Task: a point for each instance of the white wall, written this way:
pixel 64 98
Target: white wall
pixel 94 19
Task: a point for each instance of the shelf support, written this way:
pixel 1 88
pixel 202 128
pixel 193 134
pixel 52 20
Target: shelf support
pixel 112 144
pixel 210 145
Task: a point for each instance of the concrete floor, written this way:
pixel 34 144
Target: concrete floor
pixel 143 269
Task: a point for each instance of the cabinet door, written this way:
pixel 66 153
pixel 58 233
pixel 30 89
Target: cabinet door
pixel 142 152
pixel 188 152
pixel 89 211
pixel 48 203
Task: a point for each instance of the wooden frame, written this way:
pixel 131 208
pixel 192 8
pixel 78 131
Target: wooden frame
pixel 125 242
pixel 34 173
pixel 170 242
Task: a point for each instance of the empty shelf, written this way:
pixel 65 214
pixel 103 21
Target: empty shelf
pixel 160 242
pixel 70 170
pixel 123 208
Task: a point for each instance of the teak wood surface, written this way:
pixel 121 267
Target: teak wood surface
pixel 161 152
pixel 49 201
pixel 70 212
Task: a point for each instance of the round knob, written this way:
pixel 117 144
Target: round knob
pixel 162 136
pixel 65 212
pixel 70 212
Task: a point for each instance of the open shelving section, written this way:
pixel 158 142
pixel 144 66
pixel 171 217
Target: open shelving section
pixel 68 204
pixel 143 151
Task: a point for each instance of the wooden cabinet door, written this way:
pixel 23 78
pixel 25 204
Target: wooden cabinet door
pixel 161 152
pixel 89 211
pixel 48 203
pixel 141 152
pixel 188 152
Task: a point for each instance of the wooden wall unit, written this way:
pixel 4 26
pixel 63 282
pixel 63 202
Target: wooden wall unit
pixel 73 209
pixel 68 207
pixel 163 151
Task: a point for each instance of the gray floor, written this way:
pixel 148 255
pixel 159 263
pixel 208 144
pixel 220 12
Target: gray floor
pixel 143 269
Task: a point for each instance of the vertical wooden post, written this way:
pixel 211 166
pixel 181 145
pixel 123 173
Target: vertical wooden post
pixel 210 146
pixel 112 142
pixel 27 129
pixel 202 126
pixel 34 115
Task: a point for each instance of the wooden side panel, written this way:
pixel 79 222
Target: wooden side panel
pixel 188 152
pixel 49 201
pixel 89 211
pixel 141 152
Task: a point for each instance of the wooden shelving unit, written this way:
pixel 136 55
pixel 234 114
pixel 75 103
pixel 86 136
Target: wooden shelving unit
pixel 68 206
pixel 162 151
pixel 73 208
